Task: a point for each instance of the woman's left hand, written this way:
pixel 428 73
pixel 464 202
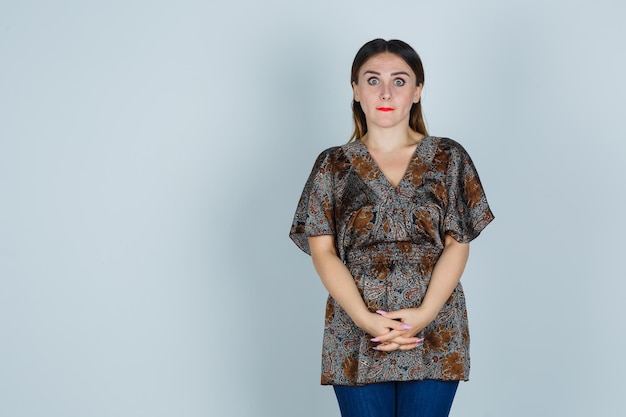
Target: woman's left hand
pixel 416 318
pixel 444 279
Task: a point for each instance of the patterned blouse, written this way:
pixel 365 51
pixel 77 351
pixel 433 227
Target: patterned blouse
pixel 390 239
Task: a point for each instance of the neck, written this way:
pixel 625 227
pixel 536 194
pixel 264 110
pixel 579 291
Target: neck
pixel 391 139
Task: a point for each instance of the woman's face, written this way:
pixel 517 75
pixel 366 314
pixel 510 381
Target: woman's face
pixel 386 89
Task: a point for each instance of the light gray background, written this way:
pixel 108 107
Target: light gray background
pixel 152 154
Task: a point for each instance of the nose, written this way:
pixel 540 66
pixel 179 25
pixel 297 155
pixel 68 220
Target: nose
pixel 385 92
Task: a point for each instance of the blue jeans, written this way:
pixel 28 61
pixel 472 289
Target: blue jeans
pixel 428 398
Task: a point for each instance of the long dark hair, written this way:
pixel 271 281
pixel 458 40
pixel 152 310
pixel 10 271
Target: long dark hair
pixel 408 54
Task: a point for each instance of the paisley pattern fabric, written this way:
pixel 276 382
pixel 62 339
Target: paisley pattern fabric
pixel 390 239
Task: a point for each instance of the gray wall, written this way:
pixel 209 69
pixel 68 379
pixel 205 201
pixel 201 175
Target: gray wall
pixel 152 154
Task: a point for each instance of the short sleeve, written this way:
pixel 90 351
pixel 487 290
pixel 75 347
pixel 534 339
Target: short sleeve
pixel 468 212
pixel 314 213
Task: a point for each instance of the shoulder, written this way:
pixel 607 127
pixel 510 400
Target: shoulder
pixel 450 146
pixel 330 152
pixel 333 158
pixel 450 150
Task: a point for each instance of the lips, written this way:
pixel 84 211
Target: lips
pixel 384 108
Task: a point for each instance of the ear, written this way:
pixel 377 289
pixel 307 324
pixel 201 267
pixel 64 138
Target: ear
pixel 355 91
pixel 418 93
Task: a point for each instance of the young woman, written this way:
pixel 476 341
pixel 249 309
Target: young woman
pixel 387 219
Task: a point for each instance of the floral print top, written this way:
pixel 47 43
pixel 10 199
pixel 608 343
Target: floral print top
pixel 390 239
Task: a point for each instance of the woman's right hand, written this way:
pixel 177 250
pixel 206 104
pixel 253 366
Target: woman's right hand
pixel 341 286
pixel 377 325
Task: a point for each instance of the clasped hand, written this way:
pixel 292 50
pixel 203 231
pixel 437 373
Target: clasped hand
pixel 397 330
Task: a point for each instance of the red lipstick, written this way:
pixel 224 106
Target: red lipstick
pixel 384 108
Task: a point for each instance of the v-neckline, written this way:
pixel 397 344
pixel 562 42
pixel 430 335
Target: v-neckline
pixel 406 171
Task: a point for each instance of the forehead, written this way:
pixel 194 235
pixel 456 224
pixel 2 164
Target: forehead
pixel 386 63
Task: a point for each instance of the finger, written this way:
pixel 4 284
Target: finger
pixel 397 325
pixel 398 316
pixel 406 340
pixel 386 347
pixel 394 315
pixel 409 347
pixel 383 338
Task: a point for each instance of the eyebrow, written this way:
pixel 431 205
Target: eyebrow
pixel 392 74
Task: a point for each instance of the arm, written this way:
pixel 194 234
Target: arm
pixel 341 286
pixel 445 277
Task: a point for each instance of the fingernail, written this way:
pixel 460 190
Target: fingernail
pixel 420 340
pixel 375 339
pixel 406 326
pixel 381 312
pixel 375 348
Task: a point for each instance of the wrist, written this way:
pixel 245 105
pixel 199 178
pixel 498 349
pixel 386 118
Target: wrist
pixel 360 317
pixel 429 310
